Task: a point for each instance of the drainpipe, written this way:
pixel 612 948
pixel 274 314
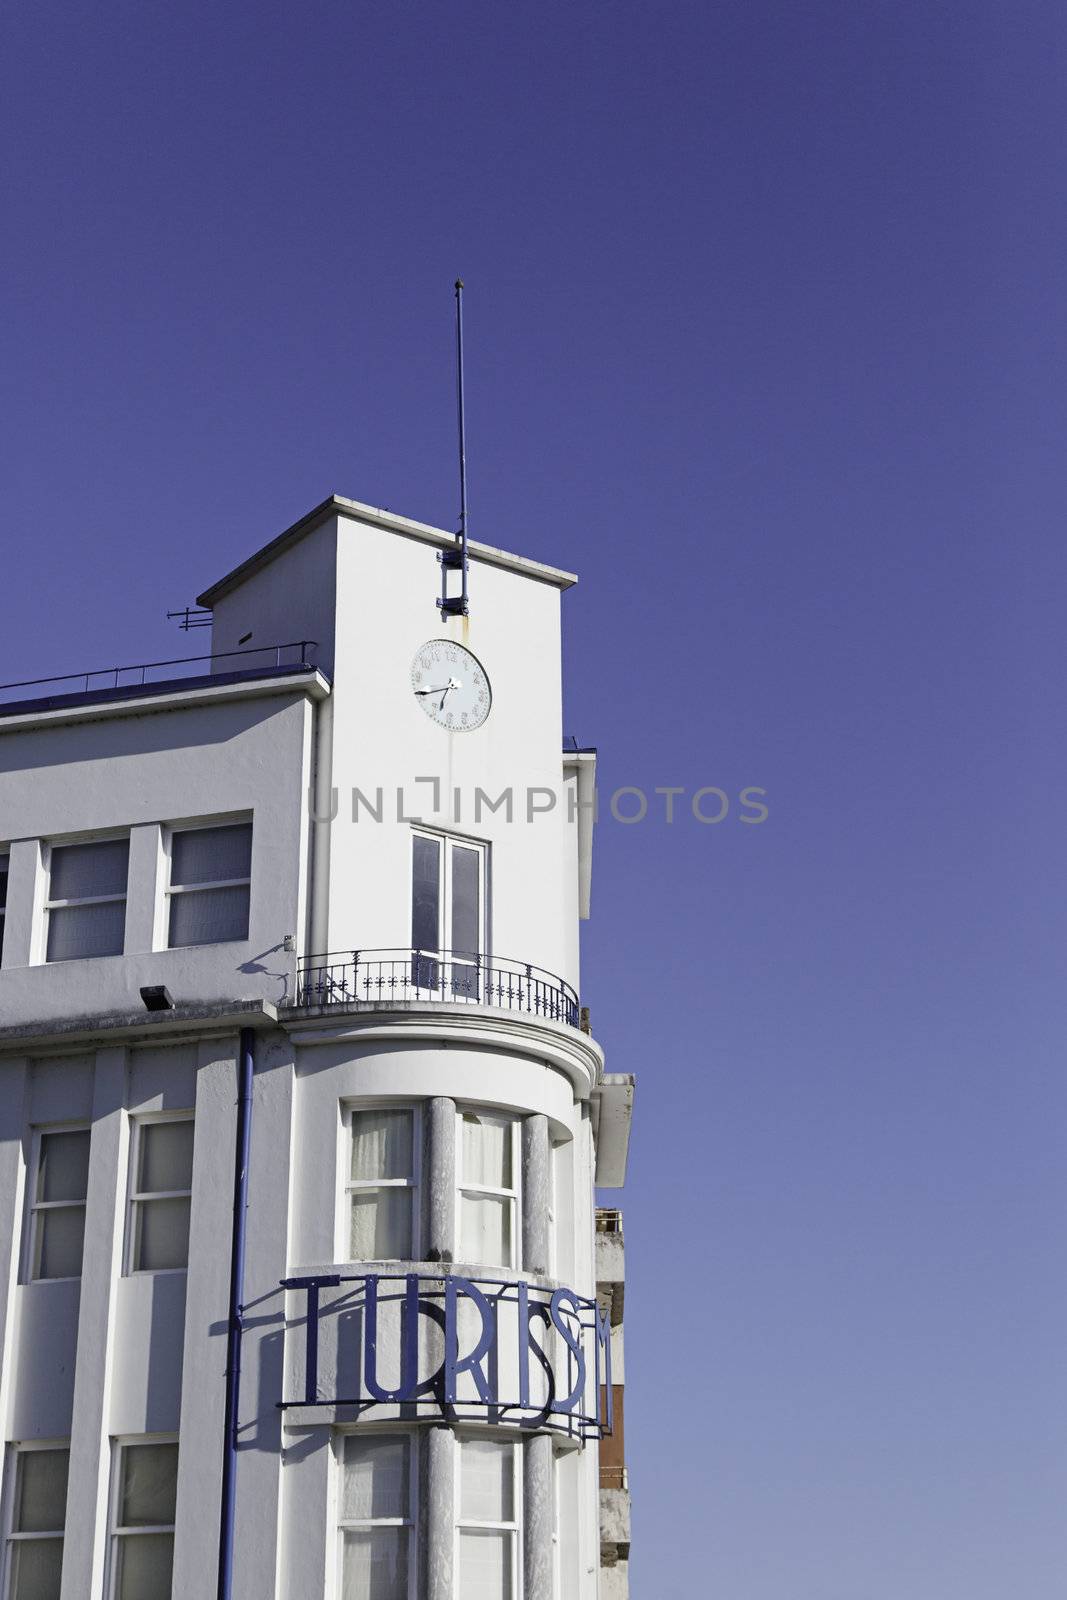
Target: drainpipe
pixel 235 1324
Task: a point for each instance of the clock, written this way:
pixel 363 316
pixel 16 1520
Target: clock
pixel 451 685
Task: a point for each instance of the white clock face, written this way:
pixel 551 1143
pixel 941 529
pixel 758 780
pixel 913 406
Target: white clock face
pixel 451 685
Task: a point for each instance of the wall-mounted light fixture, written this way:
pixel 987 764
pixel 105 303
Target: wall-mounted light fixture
pixel 157 997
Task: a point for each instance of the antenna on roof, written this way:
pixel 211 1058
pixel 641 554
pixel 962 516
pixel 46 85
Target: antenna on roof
pixel 456 560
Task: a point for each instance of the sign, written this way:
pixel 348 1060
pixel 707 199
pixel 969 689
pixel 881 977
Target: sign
pixel 469 1349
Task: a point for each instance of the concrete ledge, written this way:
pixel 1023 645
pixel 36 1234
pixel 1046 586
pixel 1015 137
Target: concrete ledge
pixel 222 1016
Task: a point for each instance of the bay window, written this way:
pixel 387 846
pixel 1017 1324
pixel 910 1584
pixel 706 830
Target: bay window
pixel 487 1530
pixel 487 1164
pixel 383 1183
pixel 377 1516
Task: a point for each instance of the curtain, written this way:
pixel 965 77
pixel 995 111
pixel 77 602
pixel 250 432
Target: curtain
pixel 36 1567
pixel 376 1484
pixel 487 1481
pixel 211 855
pixel 166 1156
pixel 486 1151
pixel 381 1224
pixel 64 1166
pixel 75 931
pixel 149 1485
pixel 485 1229
pixel 381 1144
pixel 82 871
pixel 485 1565
pixel 376 1564
pixel 42 1497
pixel 60 1240
pixel 162 1234
pixel 209 916
pixel 146 1566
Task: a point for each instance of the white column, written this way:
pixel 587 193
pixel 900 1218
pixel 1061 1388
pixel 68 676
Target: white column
pixel 144 910
pixel 22 931
pixel 537 1517
pixel 439 1500
pixel 536 1195
pixel 440 1167
pixel 85 1544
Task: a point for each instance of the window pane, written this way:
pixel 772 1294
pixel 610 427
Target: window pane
pixel 381 1225
pixel 425 893
pixel 75 931
pixel 211 855
pixel 64 1165
pixel 60 1234
pixel 485 1566
pixel 466 902
pixel 42 1491
pixel 485 1229
pixel 209 916
pixel 486 1151
pixel 80 871
pixel 162 1235
pixel 149 1485
pixel 375 1477
pixel 146 1564
pixel 166 1156
pixel 487 1481
pixel 376 1564
pixel 381 1144
pixel 36 1565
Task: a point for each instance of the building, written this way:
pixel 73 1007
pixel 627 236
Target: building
pixel 301 1293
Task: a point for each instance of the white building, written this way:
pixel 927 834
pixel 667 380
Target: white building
pixel 301 1115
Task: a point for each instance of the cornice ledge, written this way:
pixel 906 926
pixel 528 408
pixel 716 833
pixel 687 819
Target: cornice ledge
pixel 575 1053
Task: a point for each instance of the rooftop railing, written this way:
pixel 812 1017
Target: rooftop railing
pixel 296 656
pixel 388 977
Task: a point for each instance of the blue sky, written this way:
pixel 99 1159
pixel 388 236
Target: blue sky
pixel 766 338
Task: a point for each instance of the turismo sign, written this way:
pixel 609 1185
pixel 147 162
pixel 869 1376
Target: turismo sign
pixel 478 1349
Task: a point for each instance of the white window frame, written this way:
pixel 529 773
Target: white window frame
pixel 514 1195
pixel 11 1536
pixel 202 825
pixel 350 1186
pixel 356 1525
pixel 466 1524
pixel 114 1532
pixel 34 1206
pixel 136 1196
pixel 449 842
pixel 51 905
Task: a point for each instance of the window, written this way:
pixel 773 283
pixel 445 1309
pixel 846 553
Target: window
pixel 383 1184
pixel 487 1533
pixel 38 1512
pixel 57 1208
pixel 142 1520
pixel 86 906
pixel 488 1164
pixel 162 1178
pixel 210 884
pixel 377 1521
pixel 4 863
pixel 448 911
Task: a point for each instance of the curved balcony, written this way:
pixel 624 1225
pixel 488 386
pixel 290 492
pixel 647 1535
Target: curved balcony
pixel 390 977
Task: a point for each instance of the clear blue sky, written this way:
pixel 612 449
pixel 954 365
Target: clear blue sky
pixel 766 338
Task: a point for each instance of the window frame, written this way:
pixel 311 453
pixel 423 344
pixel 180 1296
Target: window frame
pixel 115 1533
pixel 35 1206
pixel 447 843
pixel 136 1197
pixel 350 1109
pixel 514 1194
pixel 514 1528
pixel 16 1451
pixel 355 1525
pixel 50 904
pixel 171 889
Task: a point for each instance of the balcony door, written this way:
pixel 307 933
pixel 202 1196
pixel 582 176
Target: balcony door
pixel 448 915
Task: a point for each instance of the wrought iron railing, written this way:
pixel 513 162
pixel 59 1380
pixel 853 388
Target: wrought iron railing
pixel 387 976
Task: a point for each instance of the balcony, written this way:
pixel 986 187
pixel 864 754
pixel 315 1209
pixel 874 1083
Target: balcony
pixel 393 977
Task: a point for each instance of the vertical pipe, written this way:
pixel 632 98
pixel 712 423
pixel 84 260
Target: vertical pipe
pixel 462 439
pixel 235 1328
